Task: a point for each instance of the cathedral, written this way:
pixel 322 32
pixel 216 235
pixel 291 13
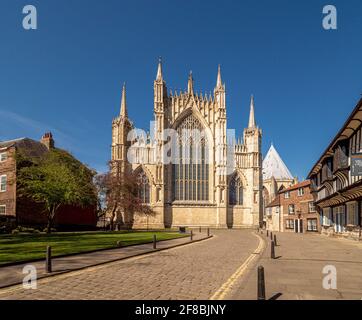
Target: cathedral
pixel 189 169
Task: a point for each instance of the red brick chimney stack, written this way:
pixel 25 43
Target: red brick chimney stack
pixel 47 140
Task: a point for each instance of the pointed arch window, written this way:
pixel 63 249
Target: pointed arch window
pixel 143 187
pixel 190 173
pixel 236 191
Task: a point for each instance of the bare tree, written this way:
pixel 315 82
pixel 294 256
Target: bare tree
pixel 119 191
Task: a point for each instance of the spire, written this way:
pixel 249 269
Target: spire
pixel 190 84
pixel 123 102
pixel 159 76
pixel 251 116
pixel 218 79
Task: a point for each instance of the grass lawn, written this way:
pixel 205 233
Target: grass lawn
pixel 24 247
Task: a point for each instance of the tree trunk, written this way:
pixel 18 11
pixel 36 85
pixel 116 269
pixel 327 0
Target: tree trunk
pixel 49 225
pixel 50 218
pixel 113 214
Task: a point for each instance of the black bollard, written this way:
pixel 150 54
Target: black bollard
pixel 271 235
pixel 261 283
pixel 267 233
pixel 48 260
pixel 275 240
pixel 272 250
pixel 154 241
pixel 208 232
pixel 199 229
pixel 191 235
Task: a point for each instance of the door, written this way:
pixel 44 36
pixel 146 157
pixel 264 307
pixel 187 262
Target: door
pixel 338 224
pixel 298 226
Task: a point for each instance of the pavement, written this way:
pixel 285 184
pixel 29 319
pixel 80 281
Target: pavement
pixel 297 273
pixel 221 267
pixel 194 271
pixel 11 275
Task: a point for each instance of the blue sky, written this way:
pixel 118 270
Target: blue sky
pixel 67 75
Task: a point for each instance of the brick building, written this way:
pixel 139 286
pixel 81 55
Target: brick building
pixel 21 211
pixel 293 210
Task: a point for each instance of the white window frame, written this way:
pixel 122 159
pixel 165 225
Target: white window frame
pixel 6 182
pixel 327 215
pixel 3 156
pixel 300 192
pixel 289 224
pixel 312 203
pixel 3 206
pixel 352 217
pixel 287 195
pixel 314 226
pixel 340 210
pixel 291 206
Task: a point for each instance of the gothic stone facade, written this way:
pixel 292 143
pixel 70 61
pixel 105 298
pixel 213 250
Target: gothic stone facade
pixel 192 193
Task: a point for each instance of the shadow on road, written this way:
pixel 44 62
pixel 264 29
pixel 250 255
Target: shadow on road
pixel 276 296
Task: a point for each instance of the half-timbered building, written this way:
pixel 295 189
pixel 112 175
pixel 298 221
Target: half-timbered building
pixel 337 179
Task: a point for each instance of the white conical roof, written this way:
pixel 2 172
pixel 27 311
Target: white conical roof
pixel 273 166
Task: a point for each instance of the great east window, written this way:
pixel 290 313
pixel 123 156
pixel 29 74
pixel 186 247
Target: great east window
pixel 190 171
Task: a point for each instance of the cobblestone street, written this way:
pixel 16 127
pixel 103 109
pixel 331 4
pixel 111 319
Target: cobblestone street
pixel 201 269
pixel 193 271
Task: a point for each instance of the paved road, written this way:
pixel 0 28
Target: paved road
pixel 195 271
pixel 297 273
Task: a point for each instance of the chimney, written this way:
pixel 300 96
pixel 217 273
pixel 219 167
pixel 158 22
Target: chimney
pixel 47 140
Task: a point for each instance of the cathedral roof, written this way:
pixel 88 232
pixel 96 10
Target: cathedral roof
pixel 274 166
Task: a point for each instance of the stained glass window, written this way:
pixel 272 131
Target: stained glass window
pixel 191 168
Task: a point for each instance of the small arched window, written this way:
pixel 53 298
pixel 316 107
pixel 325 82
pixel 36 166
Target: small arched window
pixel 236 191
pixel 143 187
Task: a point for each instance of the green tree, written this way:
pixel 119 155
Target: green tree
pixel 56 179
